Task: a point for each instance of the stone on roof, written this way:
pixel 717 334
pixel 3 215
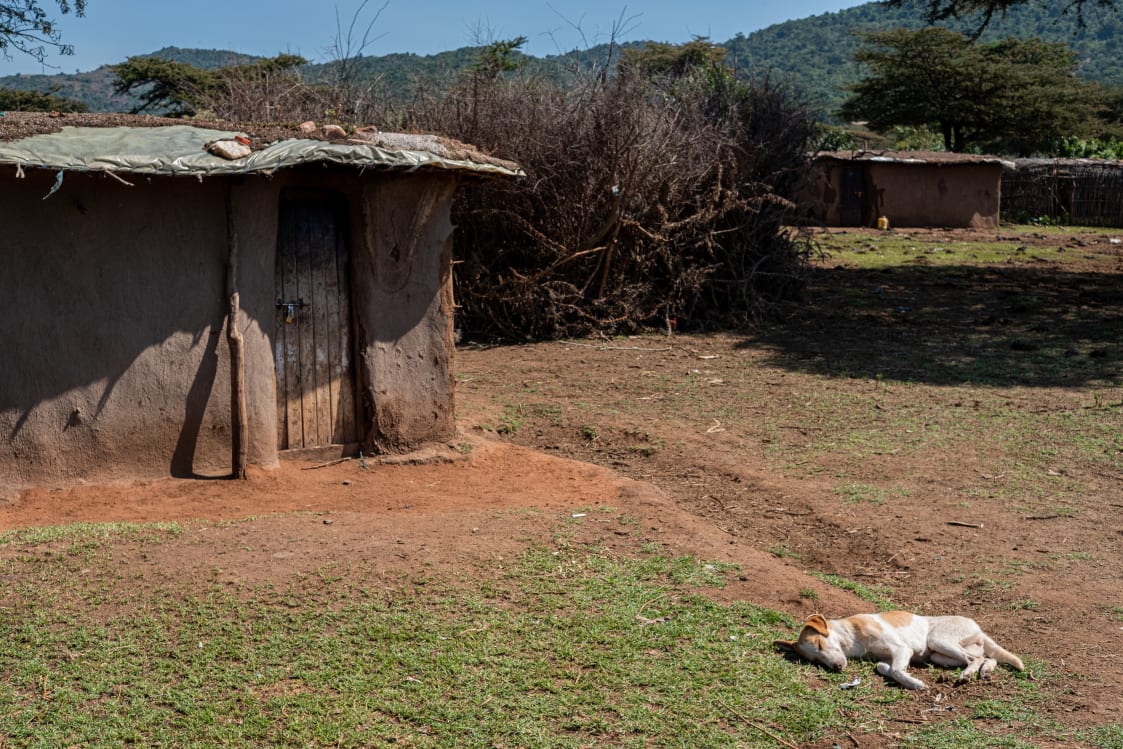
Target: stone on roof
pixel 160 145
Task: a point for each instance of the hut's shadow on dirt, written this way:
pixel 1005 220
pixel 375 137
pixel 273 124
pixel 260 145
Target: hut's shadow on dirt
pixel 951 325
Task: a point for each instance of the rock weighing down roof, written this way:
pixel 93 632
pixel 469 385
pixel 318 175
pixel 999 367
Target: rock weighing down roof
pixel 154 145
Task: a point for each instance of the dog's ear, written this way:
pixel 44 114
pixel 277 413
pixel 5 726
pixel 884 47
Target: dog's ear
pixel 819 624
pixel 788 646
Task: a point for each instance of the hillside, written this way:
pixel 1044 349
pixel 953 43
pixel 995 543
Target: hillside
pixel 94 88
pixel 817 53
pixel 814 54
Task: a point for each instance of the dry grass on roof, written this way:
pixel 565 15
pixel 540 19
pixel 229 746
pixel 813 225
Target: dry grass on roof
pixel 19 125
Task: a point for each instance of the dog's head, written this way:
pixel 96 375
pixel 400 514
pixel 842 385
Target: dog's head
pixel 816 644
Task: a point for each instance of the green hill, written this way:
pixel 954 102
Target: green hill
pixel 813 54
pixel 816 54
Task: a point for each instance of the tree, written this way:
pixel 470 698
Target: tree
pixel 14 100
pixel 182 89
pixel 1010 96
pixel 658 58
pixel 498 57
pixel 26 27
pixel 161 84
pixel 942 10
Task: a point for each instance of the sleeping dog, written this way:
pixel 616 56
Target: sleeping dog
pixel 897 638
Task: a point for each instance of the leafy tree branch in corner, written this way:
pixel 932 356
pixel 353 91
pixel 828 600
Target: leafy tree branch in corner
pixel 26 27
pixel 986 10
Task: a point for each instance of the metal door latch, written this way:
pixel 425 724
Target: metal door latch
pixel 290 309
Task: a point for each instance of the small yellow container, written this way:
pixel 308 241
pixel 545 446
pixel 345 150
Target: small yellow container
pixel 883 223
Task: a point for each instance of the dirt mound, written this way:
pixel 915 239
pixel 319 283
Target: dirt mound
pixel 448 512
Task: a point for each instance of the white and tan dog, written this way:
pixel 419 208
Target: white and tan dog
pixel 897 638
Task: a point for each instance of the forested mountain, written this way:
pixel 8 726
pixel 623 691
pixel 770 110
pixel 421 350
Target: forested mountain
pixel 817 53
pixel 814 54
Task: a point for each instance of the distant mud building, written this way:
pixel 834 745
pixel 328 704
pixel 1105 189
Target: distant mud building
pixel 908 188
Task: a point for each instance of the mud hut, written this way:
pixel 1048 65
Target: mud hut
pixel 173 311
pixel 909 188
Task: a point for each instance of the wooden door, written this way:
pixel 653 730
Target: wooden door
pixel 313 345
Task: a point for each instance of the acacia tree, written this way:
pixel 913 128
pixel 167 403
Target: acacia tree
pixel 257 90
pixel 1010 96
pixel 26 27
pixel 37 101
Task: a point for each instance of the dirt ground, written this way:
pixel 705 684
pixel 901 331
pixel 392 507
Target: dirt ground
pixel 595 430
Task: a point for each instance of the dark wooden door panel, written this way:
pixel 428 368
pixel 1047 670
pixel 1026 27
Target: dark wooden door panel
pixel 313 345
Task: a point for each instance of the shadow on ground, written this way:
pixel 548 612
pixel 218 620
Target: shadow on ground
pixel 951 325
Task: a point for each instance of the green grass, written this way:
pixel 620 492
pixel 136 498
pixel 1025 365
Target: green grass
pixel 875 594
pixel 961 732
pixel 1105 737
pixel 564 646
pixel 977 359
pixel 569 646
pixel 897 247
pixel 853 493
pixel 512 419
pixel 87 534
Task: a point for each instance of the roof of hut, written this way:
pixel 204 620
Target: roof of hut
pixel 156 145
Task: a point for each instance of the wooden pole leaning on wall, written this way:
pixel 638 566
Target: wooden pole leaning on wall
pixel 239 421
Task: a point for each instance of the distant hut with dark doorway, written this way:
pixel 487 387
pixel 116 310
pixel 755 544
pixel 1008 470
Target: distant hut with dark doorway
pixel 908 188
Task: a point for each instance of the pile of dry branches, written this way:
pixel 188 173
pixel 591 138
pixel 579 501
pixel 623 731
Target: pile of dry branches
pixel 649 201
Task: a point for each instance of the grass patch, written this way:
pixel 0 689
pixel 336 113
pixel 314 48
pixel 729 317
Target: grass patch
pixel 511 421
pixel 565 647
pixel 781 551
pixel 959 733
pixel 875 594
pixel 88 534
pixel 898 247
pixel 858 493
pixel 1104 737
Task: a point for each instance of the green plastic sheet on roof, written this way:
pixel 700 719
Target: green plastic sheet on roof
pixel 181 150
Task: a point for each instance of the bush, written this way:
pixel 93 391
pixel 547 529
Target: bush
pixel 36 101
pixel 649 200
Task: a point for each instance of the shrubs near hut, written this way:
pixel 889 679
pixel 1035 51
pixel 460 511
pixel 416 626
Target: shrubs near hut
pixel 654 196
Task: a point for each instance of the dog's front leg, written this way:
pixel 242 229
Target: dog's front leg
pixel 897 672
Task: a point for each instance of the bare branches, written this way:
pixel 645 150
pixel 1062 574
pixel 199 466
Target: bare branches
pixel 647 199
pixel 348 46
pixel 27 28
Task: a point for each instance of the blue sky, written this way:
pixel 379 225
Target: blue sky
pixel 112 30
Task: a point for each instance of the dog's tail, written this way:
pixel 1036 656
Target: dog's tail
pixel 993 650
